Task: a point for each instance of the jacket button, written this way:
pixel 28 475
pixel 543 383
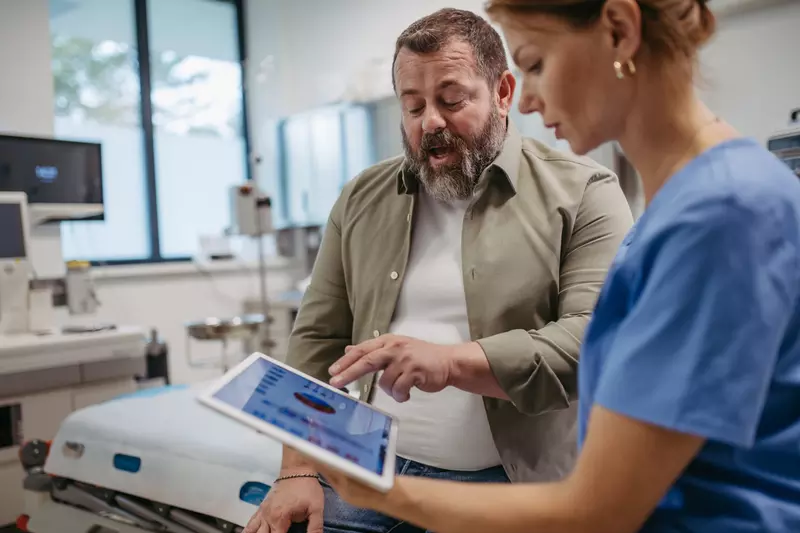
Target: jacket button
pixel 394 275
pixel 376 333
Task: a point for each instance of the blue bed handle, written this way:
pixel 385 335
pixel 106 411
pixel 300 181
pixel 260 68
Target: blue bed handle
pixel 253 492
pixel 127 463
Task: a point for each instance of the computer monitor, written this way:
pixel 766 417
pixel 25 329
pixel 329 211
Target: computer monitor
pixel 14 235
pixel 786 146
pixel 62 179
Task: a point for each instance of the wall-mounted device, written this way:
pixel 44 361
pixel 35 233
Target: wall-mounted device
pixel 14 264
pixel 785 144
pixel 251 211
pixel 63 179
pixel 300 243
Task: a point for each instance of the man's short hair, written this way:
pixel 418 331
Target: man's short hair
pixel 429 34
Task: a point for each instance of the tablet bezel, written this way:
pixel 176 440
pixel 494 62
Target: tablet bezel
pixel 382 483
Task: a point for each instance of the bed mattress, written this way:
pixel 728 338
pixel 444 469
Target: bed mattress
pixel 166 447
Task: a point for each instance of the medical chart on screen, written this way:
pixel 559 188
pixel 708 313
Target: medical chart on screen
pixel 314 413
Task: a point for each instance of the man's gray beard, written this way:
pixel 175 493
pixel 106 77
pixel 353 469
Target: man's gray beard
pixel 456 181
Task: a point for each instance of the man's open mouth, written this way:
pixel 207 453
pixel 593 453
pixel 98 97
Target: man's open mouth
pixel 439 152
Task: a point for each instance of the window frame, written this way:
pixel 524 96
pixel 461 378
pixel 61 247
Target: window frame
pixel 142 30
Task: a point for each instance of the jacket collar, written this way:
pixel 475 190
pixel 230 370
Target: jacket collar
pixel 506 164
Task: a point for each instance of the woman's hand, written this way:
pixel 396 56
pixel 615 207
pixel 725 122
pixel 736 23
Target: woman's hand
pixel 353 492
pixel 625 468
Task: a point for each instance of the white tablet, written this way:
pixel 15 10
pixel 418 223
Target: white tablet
pixel 310 416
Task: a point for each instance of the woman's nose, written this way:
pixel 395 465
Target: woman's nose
pixel 529 104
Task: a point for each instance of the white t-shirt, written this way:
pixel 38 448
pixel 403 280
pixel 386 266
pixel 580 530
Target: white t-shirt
pixel 448 429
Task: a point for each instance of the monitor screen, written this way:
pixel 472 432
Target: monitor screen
pixel 12 235
pixel 787 148
pixel 336 422
pixel 51 171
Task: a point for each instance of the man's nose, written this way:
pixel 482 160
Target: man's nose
pixel 432 120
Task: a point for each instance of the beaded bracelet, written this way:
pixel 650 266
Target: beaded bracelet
pixel 297 476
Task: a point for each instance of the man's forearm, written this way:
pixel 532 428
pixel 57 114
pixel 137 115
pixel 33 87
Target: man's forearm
pixel 471 372
pixel 295 463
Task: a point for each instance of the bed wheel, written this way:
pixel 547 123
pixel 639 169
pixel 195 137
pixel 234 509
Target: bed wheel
pixel 225 527
pixel 163 510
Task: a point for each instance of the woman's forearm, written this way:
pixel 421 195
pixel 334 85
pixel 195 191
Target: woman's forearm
pixel 625 468
pixel 472 507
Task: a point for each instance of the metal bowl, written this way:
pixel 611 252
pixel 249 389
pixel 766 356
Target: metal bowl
pixel 238 327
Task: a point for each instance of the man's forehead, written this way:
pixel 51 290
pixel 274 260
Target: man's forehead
pixel 455 60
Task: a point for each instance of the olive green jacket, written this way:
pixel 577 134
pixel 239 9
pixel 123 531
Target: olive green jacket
pixel 538 238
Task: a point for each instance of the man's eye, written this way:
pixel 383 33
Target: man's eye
pixel 415 111
pixel 453 104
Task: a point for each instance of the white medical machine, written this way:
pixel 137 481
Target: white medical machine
pixel 15 268
pixel 82 447
pixel 50 368
pixel 251 212
pixel 310 416
pixel 250 217
pixel 785 144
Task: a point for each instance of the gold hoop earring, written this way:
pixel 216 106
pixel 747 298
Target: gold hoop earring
pixel 631 67
pixel 618 70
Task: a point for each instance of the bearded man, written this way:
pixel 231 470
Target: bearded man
pixel 455 283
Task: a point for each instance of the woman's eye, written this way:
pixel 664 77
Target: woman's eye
pixel 536 68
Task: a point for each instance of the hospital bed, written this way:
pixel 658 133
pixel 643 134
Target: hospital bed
pixel 154 461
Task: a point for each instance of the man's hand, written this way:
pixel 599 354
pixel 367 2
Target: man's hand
pixel 290 501
pixel 406 363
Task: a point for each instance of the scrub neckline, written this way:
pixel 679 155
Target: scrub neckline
pixel 701 158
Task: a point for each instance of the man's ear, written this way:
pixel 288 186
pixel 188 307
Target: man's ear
pixel 504 95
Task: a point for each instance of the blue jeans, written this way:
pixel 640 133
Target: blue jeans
pixel 341 517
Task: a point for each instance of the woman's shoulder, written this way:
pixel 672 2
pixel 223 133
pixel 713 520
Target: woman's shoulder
pixel 735 182
pixel 743 172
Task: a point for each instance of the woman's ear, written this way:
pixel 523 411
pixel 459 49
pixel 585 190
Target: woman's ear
pixel 622 20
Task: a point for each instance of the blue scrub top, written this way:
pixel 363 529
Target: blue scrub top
pixel 697 329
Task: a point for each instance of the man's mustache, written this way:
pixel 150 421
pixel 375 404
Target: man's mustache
pixel 441 139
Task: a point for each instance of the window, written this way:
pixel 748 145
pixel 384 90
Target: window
pixel 165 99
pixel 197 118
pixel 97 97
pixel 322 150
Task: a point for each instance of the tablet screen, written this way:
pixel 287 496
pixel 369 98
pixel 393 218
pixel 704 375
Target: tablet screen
pixel 335 422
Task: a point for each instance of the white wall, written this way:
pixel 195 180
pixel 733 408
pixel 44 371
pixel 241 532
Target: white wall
pixel 26 82
pixel 752 70
pixel 307 53
pixel 164 297
pixel 319 46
